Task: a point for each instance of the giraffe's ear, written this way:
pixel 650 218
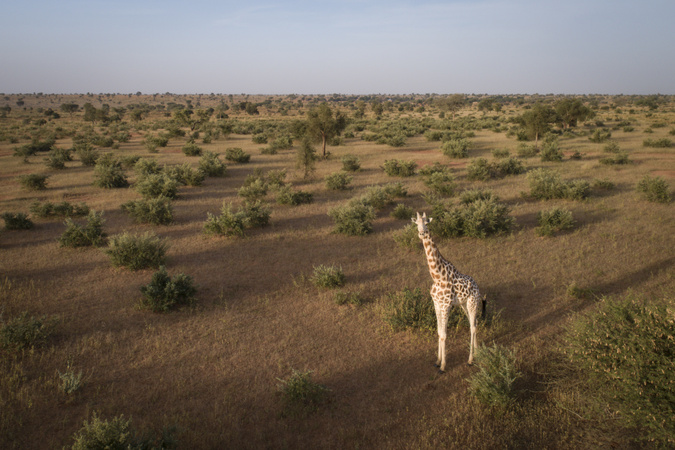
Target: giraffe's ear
pixel 430 219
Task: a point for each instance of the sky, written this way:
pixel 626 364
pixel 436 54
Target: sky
pixel 346 47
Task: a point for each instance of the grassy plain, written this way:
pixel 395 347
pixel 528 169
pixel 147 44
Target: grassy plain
pixel 212 370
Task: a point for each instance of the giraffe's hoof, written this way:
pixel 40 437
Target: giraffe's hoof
pixel 469 364
pixel 437 365
pixel 441 372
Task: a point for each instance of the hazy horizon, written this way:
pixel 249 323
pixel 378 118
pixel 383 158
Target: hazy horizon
pixel 352 47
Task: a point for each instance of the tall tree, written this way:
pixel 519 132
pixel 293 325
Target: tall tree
pixel 324 124
pixel 306 156
pixel 572 110
pixel 537 120
pixel 451 103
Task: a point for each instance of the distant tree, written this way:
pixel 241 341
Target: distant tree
pixel 323 124
pixel 5 110
pixel 537 120
pixel 485 104
pixel 451 103
pixel 70 108
pixel 572 110
pixel 377 107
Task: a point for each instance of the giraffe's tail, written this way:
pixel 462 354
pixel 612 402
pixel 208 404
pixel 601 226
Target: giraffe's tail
pixel 483 306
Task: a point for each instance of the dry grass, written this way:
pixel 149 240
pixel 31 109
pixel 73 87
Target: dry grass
pixel 212 369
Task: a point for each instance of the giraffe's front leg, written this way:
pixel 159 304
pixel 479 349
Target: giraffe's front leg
pixel 442 324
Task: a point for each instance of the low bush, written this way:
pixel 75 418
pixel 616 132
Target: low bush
pixel 228 223
pixel 301 396
pixel 64 209
pixel 441 182
pixel 17 221
pixel 456 148
pixel 164 292
pixel 34 181
pixel 611 147
pixel 154 210
pixel 146 166
pixel 554 220
pixel 402 212
pixel 546 184
pixel 157 185
pixel 408 237
pixel 603 184
pixel 108 173
pixel 500 153
pixel 434 168
pixel 192 149
pixel 409 309
pixel 481 169
pixel 236 154
pixel 353 219
pixel 153 142
pixel 211 165
pixel 91 234
pixel 70 382
pixel 118 434
pixel 255 190
pixel 493 384
pixel 348 298
pixel 24 332
pixel 472 195
pixel 184 174
pixel 479 218
pixel 526 151
pixel 618 159
pixel 338 181
pixel 328 277
pixel 287 196
pixel 135 251
pixel 350 163
pixel 625 351
pixel 399 168
pixel 551 151
pixel 599 136
pixel 256 214
pixel 57 158
pixel 657 143
pixel 654 189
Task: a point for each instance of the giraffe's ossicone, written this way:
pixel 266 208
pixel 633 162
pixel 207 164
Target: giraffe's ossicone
pixel 450 288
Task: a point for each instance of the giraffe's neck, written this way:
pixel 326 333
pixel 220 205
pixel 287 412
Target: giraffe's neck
pixel 435 260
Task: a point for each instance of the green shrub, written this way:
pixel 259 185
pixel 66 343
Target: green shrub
pixel 338 181
pixel 617 159
pixel 24 332
pixel 259 139
pixel 456 148
pixel 399 168
pixel 402 212
pixel 91 234
pixel 184 174
pixel 157 185
pixel 472 195
pixel 254 190
pixel 236 154
pixel 480 169
pixel 546 184
pixel 603 184
pixel 301 396
pixel 70 382
pixel 611 147
pixel 658 143
pixel 276 179
pixel 599 136
pixel 228 223
pixel 153 142
pixel 441 182
pixel 211 165
pixel 17 221
pixel 353 219
pixel 65 209
pixel 154 210
pixel 256 214
pixel 34 181
pixel 551 151
pixel 286 196
pixel 478 218
pixel 409 309
pixel 164 292
pixel 493 384
pixel 108 173
pixel 192 149
pixel 135 251
pixel 145 166
pixel 526 151
pixel 625 351
pixel 117 434
pixel 57 158
pixel 434 168
pixel 350 163
pixel 654 189
pixel 500 153
pixel 408 237
pixel 554 220
pixel 328 277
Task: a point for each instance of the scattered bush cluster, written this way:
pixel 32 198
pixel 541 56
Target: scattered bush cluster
pixel 654 189
pixel 17 221
pixel 546 184
pixel 165 292
pixel 91 234
pixel 135 251
pixel 399 168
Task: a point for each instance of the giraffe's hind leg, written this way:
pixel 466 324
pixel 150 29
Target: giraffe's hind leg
pixel 471 310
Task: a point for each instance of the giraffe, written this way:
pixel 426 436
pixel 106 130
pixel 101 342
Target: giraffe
pixel 450 288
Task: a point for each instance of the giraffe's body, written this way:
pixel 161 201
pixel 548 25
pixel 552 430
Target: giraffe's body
pixel 450 288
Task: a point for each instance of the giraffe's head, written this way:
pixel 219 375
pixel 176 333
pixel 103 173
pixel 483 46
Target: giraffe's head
pixel 422 222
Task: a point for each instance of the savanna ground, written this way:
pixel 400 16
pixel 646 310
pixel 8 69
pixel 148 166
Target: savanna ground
pixel 212 370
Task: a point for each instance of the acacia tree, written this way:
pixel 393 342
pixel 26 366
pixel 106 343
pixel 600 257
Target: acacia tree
pixel 537 120
pixel 324 124
pixel 572 110
pixel 451 103
pixel 306 156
